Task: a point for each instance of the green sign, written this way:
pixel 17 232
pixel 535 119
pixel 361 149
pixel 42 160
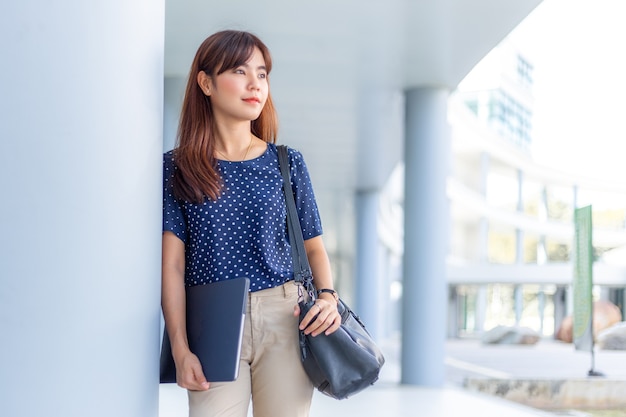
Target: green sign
pixel 583 280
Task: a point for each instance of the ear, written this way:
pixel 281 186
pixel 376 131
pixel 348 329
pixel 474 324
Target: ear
pixel 204 81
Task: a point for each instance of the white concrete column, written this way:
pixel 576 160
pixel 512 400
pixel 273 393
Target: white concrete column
pixel 518 296
pixel 172 102
pixel 81 128
pixel 483 227
pixel 481 309
pixel 542 250
pixel 519 249
pixel 541 308
pixel 426 237
pixel 560 306
pixel 519 233
pixel 379 150
pixel 453 313
pixel 370 284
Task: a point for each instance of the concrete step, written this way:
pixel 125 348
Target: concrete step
pixel 555 394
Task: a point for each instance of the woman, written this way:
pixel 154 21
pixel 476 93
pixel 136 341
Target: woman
pixel 224 217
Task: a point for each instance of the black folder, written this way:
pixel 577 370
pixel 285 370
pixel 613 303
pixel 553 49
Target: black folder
pixel 215 320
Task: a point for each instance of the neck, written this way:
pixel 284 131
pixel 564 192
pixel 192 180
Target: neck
pixel 233 140
pixel 235 155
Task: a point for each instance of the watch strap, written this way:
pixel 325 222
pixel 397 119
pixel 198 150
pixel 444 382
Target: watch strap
pixel 329 291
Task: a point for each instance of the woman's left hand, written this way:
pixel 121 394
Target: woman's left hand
pixel 323 317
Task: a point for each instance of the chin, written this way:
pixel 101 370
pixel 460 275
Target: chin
pixel 254 116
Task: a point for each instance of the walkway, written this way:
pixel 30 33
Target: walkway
pixel 464 358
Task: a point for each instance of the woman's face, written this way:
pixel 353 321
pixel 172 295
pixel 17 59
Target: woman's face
pixel 239 94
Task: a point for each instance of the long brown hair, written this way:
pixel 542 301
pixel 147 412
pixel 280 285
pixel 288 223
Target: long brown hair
pixel 197 176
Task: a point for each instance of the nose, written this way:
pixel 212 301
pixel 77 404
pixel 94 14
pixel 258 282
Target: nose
pixel 255 83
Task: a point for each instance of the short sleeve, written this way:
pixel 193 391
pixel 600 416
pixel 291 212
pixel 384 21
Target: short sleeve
pixel 173 216
pixel 306 204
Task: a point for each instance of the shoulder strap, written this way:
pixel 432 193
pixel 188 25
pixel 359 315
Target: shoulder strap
pixel 301 268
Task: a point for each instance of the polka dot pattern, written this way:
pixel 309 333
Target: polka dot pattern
pixel 243 232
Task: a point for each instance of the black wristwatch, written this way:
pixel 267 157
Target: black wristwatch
pixel 328 290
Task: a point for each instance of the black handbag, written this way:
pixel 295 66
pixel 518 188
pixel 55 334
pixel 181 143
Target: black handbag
pixel 346 361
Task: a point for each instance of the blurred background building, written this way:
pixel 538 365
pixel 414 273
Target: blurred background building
pixel 515 214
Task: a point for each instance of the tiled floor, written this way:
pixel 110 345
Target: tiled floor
pixel 463 358
pixel 386 400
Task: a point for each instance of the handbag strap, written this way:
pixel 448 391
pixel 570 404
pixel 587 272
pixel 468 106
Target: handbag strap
pixel 301 268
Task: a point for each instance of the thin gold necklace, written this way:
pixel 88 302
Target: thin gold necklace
pixel 244 155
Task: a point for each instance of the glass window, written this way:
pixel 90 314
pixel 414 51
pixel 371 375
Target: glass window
pixel 501 246
pixel 524 71
pixel 558 251
pixel 531 248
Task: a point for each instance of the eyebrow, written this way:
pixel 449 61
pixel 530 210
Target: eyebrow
pixel 260 67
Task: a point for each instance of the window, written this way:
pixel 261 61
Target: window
pixel 524 71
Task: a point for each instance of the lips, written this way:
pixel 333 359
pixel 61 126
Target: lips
pixel 252 100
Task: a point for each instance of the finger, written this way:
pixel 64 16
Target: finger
pixel 296 310
pixel 188 382
pixel 320 323
pixel 335 326
pixel 328 322
pixel 197 384
pixel 194 378
pixel 310 316
pixel 324 325
pixel 200 378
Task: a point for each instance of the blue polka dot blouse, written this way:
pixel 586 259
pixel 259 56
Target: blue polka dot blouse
pixel 242 233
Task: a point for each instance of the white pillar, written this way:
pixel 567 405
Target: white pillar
pixel 426 235
pixel 379 150
pixel 541 308
pixel 173 100
pixel 453 313
pixel 370 284
pixel 481 309
pixel 483 246
pixel 518 296
pixel 560 306
pixel 81 125
pixel 519 233
pixel 542 250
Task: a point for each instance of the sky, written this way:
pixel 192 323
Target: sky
pixel 578 48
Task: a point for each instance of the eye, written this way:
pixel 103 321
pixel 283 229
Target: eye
pixel 262 75
pixel 239 71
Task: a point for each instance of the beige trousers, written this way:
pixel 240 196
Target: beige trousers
pixel 270 371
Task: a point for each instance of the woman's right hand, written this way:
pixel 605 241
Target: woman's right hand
pixel 189 373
